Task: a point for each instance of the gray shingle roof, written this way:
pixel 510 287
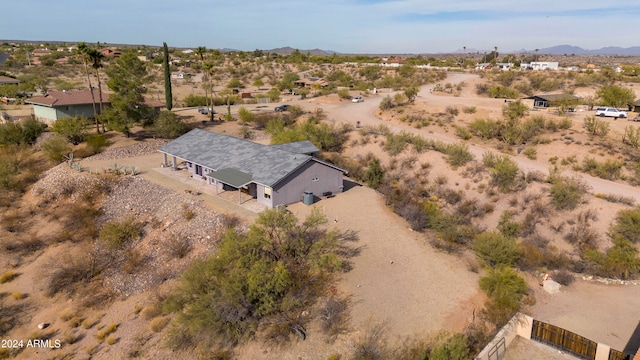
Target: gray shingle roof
pixel 266 164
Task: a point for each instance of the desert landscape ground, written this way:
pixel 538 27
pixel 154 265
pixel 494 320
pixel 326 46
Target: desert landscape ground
pixel 410 279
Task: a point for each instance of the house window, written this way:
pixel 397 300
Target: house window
pixel 315 178
pixel 267 193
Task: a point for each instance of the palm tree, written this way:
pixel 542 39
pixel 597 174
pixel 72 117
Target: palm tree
pixel 96 58
pixel 83 52
pixel 200 51
pixel 495 57
pixel 537 54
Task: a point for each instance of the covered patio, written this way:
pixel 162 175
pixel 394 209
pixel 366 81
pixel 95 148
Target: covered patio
pixel 235 179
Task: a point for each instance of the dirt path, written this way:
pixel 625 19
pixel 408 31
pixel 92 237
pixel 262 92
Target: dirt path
pixel 364 113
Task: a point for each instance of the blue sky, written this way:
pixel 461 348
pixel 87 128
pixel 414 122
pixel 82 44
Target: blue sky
pixel 348 26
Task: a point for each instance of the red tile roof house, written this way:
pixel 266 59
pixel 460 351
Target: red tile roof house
pixel 56 105
pixel 5 80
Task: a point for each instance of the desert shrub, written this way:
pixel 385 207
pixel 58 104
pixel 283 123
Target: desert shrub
pixel 485 128
pixel 469 109
pixel 452 110
pixel 8 276
pixel 463 133
pixel 451 348
pixel 505 289
pixel 371 345
pixel 344 94
pixel 563 277
pixel 566 193
pixel 23 132
pixel 275 269
pixel 507 227
pixel 117 234
pixel 245 115
pixel 374 174
pixel 179 246
pixel 458 154
pixel 627 225
pixel 327 137
pixel 596 126
pixel 610 169
pixel 97 142
pixel 504 171
pixel 56 148
pixel 496 249
pixel 159 323
pixel 530 152
pixel 74 129
pixel 187 212
pixel 334 315
pixel 195 100
pixel 168 125
pixel 620 261
pixel 631 136
pixel 386 103
pixel 497 91
pixel 66 273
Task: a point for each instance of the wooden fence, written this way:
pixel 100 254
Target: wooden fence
pixel 564 340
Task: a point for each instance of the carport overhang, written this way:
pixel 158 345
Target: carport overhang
pixel 232 177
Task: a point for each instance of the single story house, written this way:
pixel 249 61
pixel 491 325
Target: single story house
pixel 5 80
pixel 311 83
pixel 540 65
pixel 110 52
pixel 272 174
pixel 56 105
pixel 550 100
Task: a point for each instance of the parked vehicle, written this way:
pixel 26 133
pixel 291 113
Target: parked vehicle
pixel 205 111
pixel 357 99
pixel 611 112
pixel 282 107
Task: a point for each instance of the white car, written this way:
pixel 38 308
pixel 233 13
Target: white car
pixel 611 112
pixel 357 99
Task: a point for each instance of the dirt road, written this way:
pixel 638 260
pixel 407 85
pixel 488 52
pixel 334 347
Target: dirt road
pixel 364 113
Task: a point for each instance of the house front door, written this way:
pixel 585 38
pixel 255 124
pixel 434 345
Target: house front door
pixel 198 170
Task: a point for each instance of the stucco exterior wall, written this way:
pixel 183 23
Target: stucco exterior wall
pixel 50 115
pixel 314 177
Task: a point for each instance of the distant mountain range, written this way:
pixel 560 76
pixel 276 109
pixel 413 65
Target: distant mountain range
pixel 567 50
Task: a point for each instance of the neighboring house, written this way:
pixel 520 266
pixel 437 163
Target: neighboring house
pixel 550 100
pixel 272 174
pixel 110 52
pixel 311 82
pixel 56 105
pixel 5 80
pixel 540 65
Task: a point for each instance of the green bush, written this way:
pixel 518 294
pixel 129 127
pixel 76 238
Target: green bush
pixel 168 125
pixel 458 154
pixel 386 103
pixel 504 171
pixel 97 142
pixel 485 128
pixel 507 227
pixel 195 100
pixel 453 348
pixel 627 225
pixel 596 126
pixel 505 289
pixel 117 234
pixel 374 174
pixel 74 129
pixel 23 132
pixel 463 133
pixel 275 269
pixel 566 193
pixel 496 249
pixel 56 148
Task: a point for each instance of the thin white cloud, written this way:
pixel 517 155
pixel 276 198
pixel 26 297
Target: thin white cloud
pixel 347 26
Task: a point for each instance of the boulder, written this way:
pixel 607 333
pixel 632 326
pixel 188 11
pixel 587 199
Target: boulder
pixel 551 286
